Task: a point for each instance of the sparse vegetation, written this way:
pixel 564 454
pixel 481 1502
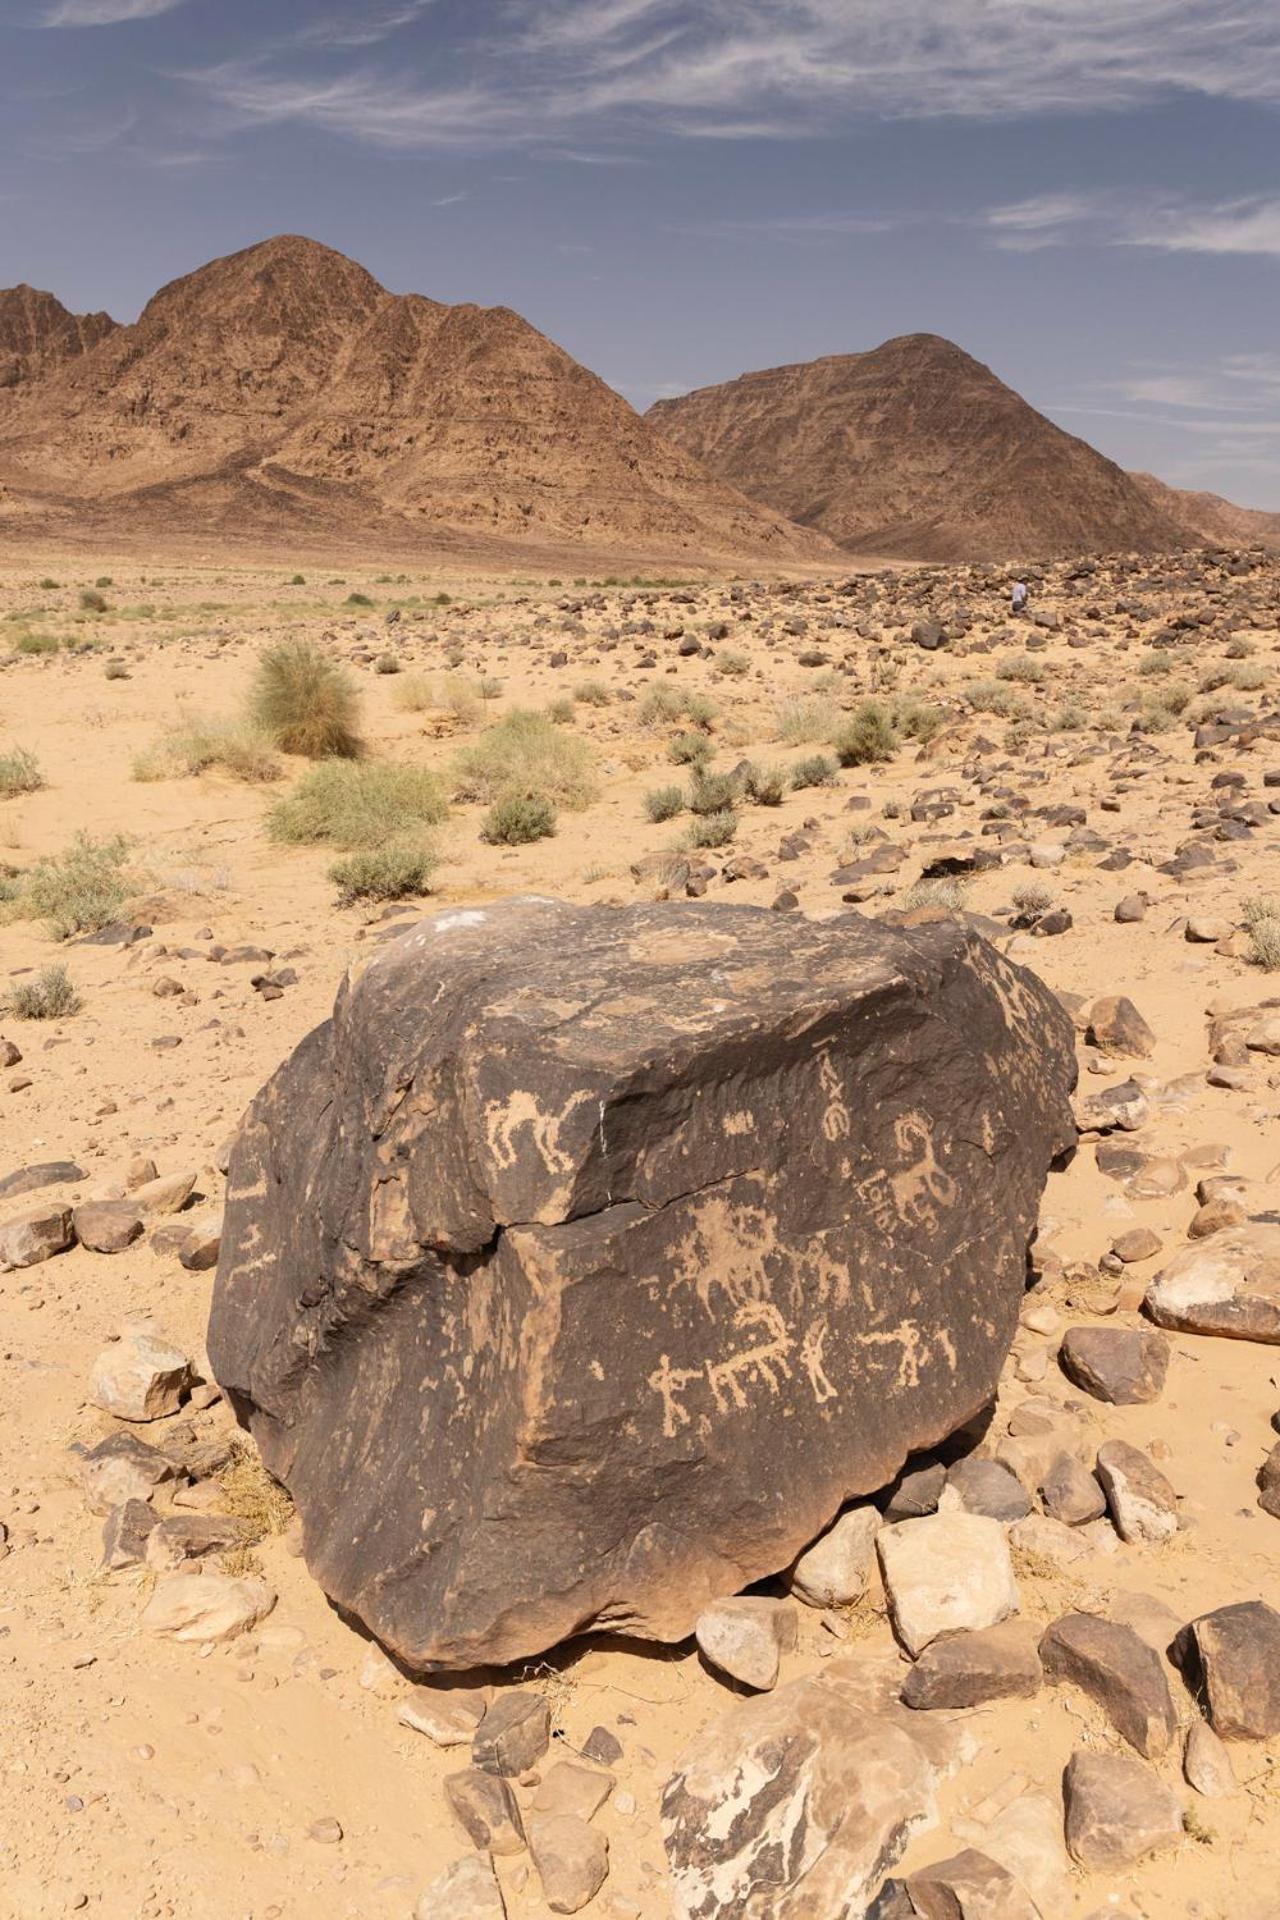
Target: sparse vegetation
pixel 91 601
pixel 713 829
pixel 515 819
pixel 806 718
pixel 712 792
pixel 526 753
pixel 690 750
pixel 664 803
pixel 593 693
pixel 947 892
pixel 81 890
pixel 396 872
pixel 304 703
pixel 19 773
pixel 197 746
pixel 355 805
pixel 49 996
pixel 765 786
pixel 815 770
pixel 1261 916
pixel 869 736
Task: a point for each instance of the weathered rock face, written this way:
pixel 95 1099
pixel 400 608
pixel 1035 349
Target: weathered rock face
pixel 588 1260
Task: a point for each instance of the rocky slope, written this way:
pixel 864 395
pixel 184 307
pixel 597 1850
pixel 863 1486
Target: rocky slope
pixel 283 388
pixel 38 334
pixel 1210 519
pixel 919 450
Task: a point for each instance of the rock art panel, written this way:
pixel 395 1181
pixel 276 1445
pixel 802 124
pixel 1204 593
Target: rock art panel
pixel 588 1260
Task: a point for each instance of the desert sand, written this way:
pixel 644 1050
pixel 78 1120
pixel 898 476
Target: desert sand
pixel 270 1776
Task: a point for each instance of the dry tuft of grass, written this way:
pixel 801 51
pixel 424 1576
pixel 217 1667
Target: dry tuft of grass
pixel 81 890
pixel 806 718
pixel 304 703
pixel 397 872
pixel 50 996
pixel 1261 917
pixel 527 753
pixel 251 1494
pixel 19 773
pixel 357 805
pixel 197 746
pixel 868 737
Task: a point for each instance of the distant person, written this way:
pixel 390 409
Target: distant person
pixel 1020 596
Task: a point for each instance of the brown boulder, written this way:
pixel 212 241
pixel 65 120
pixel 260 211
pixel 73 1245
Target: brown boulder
pixel 1108 1661
pixel 1124 1365
pixel 1232 1656
pixel 589 1260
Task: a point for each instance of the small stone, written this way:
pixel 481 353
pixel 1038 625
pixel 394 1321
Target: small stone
pixel 124 1537
pixel 572 1859
pixel 989 1488
pixel 1138 1244
pixel 1228 1285
pixel 513 1735
pixel 199 1248
pixel 603 1746
pixel 745 1638
pixel 970 1669
pixel 1118 1670
pixel 207 1607
pixel 485 1808
pixel 468 1890
pixel 1117 1811
pixel 182 1537
pixel 326 1830
pixel 916 1492
pixel 1071 1493
pixel 1143 1505
pixel 169 1194
pixel 1233 1656
pixel 1131 909
pixel 140 1377
pixel 946 1573
pixel 1117 1028
pixel 1269 1484
pixel 1121 1365
pixel 35 1236
pixel 120 1468
pixel 568 1788
pixel 833 1571
pixel 447 1715
pixel 969 1886
pixel 106 1226
pixel 1206 1763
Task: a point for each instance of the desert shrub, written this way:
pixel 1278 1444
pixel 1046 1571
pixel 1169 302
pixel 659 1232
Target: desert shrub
pixel 661 706
pixel 304 703
pixel 867 737
pixel 1159 707
pixel 995 696
pixel 734 665
pixel 515 819
pixel 1069 718
pixel 92 601
pixel 49 586
pixel 1024 670
pixel 36 643
pixel 19 773
pixel 712 792
pixel 1261 917
pixel 815 770
pixel 765 786
pixel 1032 897
pixel 562 711
pixel 527 753
pixel 1245 677
pixel 593 693
pixel 388 663
pixel 713 829
pixel 298 580
pixel 1155 665
pixel 807 717
pixel 946 892
pixel 356 805
pixel 415 693
pixel 358 600
pixel 916 719
pixel 80 890
pixel 384 873
pixel 50 996
pixel 664 803
pixel 104 580
pixel 1239 647
pixel 700 710
pixel 690 750
pixel 115 670
pixel 198 745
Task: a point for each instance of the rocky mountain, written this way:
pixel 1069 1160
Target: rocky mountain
pixel 283 388
pixel 1209 519
pixel 915 449
pixel 38 334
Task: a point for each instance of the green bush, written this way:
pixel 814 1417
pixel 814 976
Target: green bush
pixel 37 643
pixel 356 805
pixel 526 753
pixel 690 750
pixel 712 792
pixel 593 693
pixel 515 819
pixel 304 703
pixel 19 773
pixel 81 890
pixel 384 873
pixel 92 601
pixel 664 803
pixel 815 770
pixel 867 737
pixel 713 829
pixel 765 786
pixel 50 996
pixel 358 600
pixel 916 719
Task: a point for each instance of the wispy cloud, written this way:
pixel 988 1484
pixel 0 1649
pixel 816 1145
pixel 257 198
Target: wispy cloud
pixel 606 69
pixel 105 13
pixel 1248 225
pixel 366 27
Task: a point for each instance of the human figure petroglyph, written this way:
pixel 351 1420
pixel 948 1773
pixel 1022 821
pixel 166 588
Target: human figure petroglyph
pixel 811 1353
pixel 921 1188
pixel 670 1382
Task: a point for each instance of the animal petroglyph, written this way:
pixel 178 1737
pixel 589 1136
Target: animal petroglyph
pixel 923 1187
pixel 521 1110
pixel 765 1364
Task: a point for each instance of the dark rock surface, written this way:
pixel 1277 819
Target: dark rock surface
pixel 574 1221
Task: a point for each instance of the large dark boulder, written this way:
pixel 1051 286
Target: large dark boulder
pixel 583 1265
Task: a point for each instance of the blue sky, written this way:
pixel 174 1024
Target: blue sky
pixel 1083 193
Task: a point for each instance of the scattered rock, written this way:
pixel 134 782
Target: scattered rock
pixel 745 1638
pixel 1071 1493
pixel 37 1235
pixel 1228 1284
pixel 947 1573
pixel 1206 1763
pixel 1233 1657
pixel 468 1890
pixel 207 1607
pixel 447 1715
pixel 513 1735
pixel 1122 1365
pixel 989 1488
pixel 485 1808
pixel 106 1226
pixel 572 1859
pixel 567 1788
pixel 140 1377
pixel 1118 1670
pixel 1118 1811
pixel 969 1886
pixel 1116 1027
pixel 124 1537
pixel 970 1669
pixel 833 1571
pixel 1143 1505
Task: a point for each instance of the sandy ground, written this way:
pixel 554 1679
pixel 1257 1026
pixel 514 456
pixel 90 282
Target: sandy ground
pixel 143 1778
